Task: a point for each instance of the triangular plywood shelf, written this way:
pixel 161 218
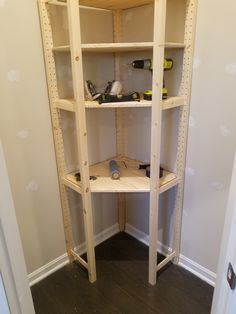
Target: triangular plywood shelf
pixel 132 178
pixel 70 105
pixel 107 5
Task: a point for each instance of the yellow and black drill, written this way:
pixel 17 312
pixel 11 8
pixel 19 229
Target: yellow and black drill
pixel 146 64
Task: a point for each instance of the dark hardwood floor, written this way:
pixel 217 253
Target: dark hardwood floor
pixel 122 285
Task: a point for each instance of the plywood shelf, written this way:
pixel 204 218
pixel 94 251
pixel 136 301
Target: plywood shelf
pixel 132 179
pixel 54 2
pixel 69 104
pixel 107 5
pixel 114 4
pixel 128 104
pixel 118 47
pixel 174 45
pixel 173 102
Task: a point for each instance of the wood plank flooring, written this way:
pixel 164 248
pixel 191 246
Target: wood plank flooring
pixel 122 286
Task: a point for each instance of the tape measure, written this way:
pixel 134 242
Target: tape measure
pixel 147 95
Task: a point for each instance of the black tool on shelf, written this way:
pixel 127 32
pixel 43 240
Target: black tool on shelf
pixel 78 177
pixel 147 168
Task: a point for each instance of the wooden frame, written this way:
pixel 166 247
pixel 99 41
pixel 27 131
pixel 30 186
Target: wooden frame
pixel 135 181
pixel 157 84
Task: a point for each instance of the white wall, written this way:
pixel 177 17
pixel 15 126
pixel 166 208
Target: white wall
pixel 212 132
pixel 26 133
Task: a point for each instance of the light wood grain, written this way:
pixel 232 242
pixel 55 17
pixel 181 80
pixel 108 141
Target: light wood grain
pixel 132 179
pixel 171 102
pixel 157 84
pixel 81 131
pixel 119 47
pixel 114 4
pixel 166 261
pixel 185 90
pixel 56 125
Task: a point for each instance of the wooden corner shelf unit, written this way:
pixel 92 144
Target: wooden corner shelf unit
pixel 97 40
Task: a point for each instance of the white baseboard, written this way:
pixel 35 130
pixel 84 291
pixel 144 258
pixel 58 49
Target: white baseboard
pixel 193 267
pixel 62 260
pixel 46 270
pixel 198 270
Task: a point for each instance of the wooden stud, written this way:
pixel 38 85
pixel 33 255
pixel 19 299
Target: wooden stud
pixel 78 87
pixel 79 259
pixel 55 116
pixel 166 261
pixel 117 26
pixel 185 90
pixel 121 211
pixel 158 52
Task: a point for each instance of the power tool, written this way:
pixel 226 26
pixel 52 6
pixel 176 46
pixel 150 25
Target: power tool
pixel 146 64
pixel 112 93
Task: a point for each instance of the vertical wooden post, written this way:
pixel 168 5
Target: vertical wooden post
pixel 157 84
pixel 185 90
pixel 78 86
pixel 55 117
pixel 117 26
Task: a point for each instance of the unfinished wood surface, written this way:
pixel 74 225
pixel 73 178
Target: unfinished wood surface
pixel 121 199
pixel 56 125
pixel 119 47
pixel 117 27
pixel 120 136
pixel 132 179
pixel 65 104
pixel 157 84
pixel 174 45
pixel 54 2
pixel 185 90
pixel 114 4
pixel 171 102
pixel 81 131
pixel 79 259
pixel 166 261
pixel 128 104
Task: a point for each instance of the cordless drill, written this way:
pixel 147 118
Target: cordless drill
pixel 146 64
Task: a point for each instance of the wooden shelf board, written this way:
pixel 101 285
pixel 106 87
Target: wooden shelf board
pixel 118 47
pixel 132 179
pixel 54 2
pixel 173 102
pixel 169 103
pixel 109 47
pixel 114 4
pixel 65 48
pixel 127 104
pixel 65 104
pixel 174 45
